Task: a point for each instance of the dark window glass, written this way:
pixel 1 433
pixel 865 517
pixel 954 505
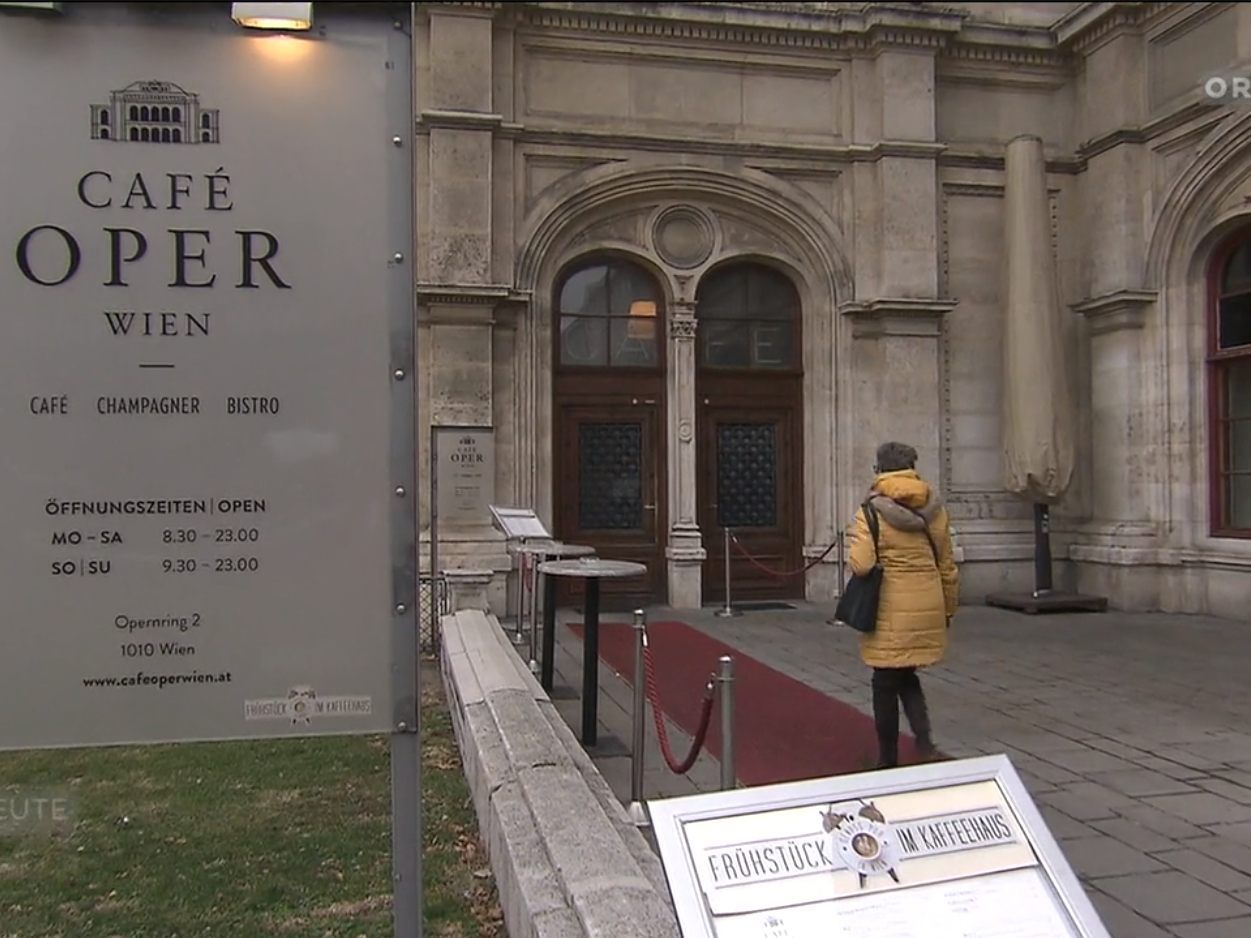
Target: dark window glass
pixel 176 114
pixel 134 113
pixel 143 113
pixel 746 475
pixel 104 118
pixel 205 121
pixel 748 317
pixel 1234 328
pixel 177 135
pixel 610 476
pixel 1237 275
pixel 134 133
pixel 609 314
pixel 104 133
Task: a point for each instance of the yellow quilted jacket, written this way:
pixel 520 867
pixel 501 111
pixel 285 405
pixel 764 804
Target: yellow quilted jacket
pixel 918 596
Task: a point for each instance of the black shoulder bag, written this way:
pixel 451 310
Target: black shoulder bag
pixel 857 606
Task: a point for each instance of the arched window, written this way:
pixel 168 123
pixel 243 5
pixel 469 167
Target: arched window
pixel 176 114
pixel 134 113
pixel 144 135
pixel 143 113
pixel 206 137
pixel 134 133
pixel 165 135
pixel 177 135
pixel 104 133
pixel 165 114
pixel 609 315
pixel 1229 370
pixel 104 118
pixel 748 318
pixel 206 122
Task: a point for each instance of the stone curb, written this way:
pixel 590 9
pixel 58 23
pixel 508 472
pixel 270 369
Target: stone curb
pixel 567 860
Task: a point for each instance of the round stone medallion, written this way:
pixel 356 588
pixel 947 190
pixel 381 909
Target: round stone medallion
pixel 683 236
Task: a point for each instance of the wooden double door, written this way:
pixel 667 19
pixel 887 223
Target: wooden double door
pixel 750 481
pixel 611 484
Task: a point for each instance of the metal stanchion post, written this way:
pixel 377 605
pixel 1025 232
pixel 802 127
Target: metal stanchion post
pixel 523 581
pixel 534 614
pixel 728 610
pixel 726 679
pixel 638 813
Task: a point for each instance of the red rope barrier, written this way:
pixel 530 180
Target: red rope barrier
pixel 774 573
pixel 662 734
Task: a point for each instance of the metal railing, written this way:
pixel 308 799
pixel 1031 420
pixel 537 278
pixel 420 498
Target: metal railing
pixel 431 591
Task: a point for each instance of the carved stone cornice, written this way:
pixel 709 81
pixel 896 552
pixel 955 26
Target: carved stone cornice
pixel 458 120
pixel 1091 25
pixel 869 29
pixel 1114 312
pixel 903 316
pixel 970 159
pixel 1133 136
pixel 466 294
pixel 464 7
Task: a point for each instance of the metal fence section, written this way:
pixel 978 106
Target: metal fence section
pixel 431 590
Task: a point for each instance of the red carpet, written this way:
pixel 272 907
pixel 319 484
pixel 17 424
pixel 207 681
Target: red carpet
pixel 784 730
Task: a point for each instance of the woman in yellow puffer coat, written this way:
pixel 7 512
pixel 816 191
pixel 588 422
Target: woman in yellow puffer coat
pixel 920 587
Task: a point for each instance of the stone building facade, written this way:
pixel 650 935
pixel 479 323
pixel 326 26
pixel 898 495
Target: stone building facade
pixel 691 262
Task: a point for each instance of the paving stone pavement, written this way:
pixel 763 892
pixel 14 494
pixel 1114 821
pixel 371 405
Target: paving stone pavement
pixel 1131 731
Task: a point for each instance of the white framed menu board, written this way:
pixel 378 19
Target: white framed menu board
pixel 945 849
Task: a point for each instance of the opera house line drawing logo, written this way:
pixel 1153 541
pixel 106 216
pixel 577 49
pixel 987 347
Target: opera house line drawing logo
pixel 154 112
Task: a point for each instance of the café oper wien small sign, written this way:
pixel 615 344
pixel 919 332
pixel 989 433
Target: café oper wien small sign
pixel 466 474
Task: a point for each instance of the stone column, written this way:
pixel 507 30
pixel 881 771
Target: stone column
pixel 685 550
pixel 457 126
pixel 897 317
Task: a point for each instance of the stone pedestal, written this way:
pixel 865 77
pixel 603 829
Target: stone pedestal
pixel 468 589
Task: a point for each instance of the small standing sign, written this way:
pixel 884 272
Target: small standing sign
pixel 519 524
pixel 953 848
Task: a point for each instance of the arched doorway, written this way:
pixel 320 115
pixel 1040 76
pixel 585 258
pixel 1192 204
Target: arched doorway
pixel 749 397
pixel 609 406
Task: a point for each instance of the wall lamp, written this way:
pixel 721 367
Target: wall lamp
pixel 273 15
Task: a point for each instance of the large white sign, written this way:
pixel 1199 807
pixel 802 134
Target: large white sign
pixel 949 849
pixel 204 306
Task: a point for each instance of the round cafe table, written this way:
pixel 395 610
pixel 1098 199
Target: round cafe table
pixel 592 570
pixel 531 554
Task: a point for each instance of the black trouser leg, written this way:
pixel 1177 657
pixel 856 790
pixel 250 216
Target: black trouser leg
pixel 913 699
pixel 886 715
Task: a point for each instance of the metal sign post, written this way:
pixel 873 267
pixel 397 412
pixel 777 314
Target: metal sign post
pixel 434 538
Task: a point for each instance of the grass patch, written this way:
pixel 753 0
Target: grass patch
pixel 288 838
